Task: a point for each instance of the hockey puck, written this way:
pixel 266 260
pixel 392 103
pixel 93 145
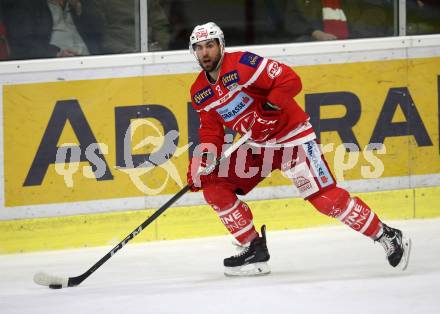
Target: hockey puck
pixel 55 286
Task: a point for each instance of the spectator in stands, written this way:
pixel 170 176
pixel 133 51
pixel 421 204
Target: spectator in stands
pixel 305 21
pixel 338 19
pixel 120 33
pixel 4 46
pixel 52 28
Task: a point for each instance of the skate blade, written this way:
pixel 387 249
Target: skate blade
pixel 253 269
pixel 403 264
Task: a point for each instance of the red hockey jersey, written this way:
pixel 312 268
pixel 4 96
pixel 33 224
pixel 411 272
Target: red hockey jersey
pixel 251 93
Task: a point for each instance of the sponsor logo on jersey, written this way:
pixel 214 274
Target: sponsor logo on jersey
pixel 235 107
pixel 250 59
pixel 202 95
pixel 230 79
pixel 317 164
pixel 274 69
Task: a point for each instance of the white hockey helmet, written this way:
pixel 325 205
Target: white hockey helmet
pixel 206 31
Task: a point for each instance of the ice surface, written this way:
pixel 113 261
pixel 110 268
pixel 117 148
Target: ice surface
pixel 320 270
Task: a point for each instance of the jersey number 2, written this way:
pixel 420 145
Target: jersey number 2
pixel 219 90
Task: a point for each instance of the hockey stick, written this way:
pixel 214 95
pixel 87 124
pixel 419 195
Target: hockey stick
pixel 56 282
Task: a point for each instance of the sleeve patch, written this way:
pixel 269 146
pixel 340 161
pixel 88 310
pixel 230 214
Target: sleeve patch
pixel 274 69
pixel 250 59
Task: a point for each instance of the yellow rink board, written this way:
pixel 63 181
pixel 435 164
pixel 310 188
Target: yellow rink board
pixel 37 113
pixel 197 221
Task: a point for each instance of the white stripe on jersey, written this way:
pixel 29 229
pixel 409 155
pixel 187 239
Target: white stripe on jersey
pixel 301 128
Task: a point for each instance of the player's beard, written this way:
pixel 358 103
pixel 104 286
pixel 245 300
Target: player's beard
pixel 211 66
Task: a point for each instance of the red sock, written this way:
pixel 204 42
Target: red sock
pixel 233 213
pixel 353 212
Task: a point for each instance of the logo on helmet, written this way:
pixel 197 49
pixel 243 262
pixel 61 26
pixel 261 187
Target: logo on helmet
pixel 203 33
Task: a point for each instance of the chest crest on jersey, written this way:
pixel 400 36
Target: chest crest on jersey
pixel 203 95
pixel 230 80
pixel 235 107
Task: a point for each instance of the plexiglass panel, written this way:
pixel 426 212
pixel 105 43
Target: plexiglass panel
pixel 423 17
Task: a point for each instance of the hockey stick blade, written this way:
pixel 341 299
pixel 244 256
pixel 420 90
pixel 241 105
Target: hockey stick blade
pixel 55 282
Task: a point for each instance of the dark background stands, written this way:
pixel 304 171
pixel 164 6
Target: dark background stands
pixel 4 46
pixel 29 25
pixel 120 26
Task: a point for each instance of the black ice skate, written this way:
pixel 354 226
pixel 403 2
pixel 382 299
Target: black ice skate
pixel 251 261
pixel 396 247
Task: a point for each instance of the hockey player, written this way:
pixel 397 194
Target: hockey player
pixel 249 93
